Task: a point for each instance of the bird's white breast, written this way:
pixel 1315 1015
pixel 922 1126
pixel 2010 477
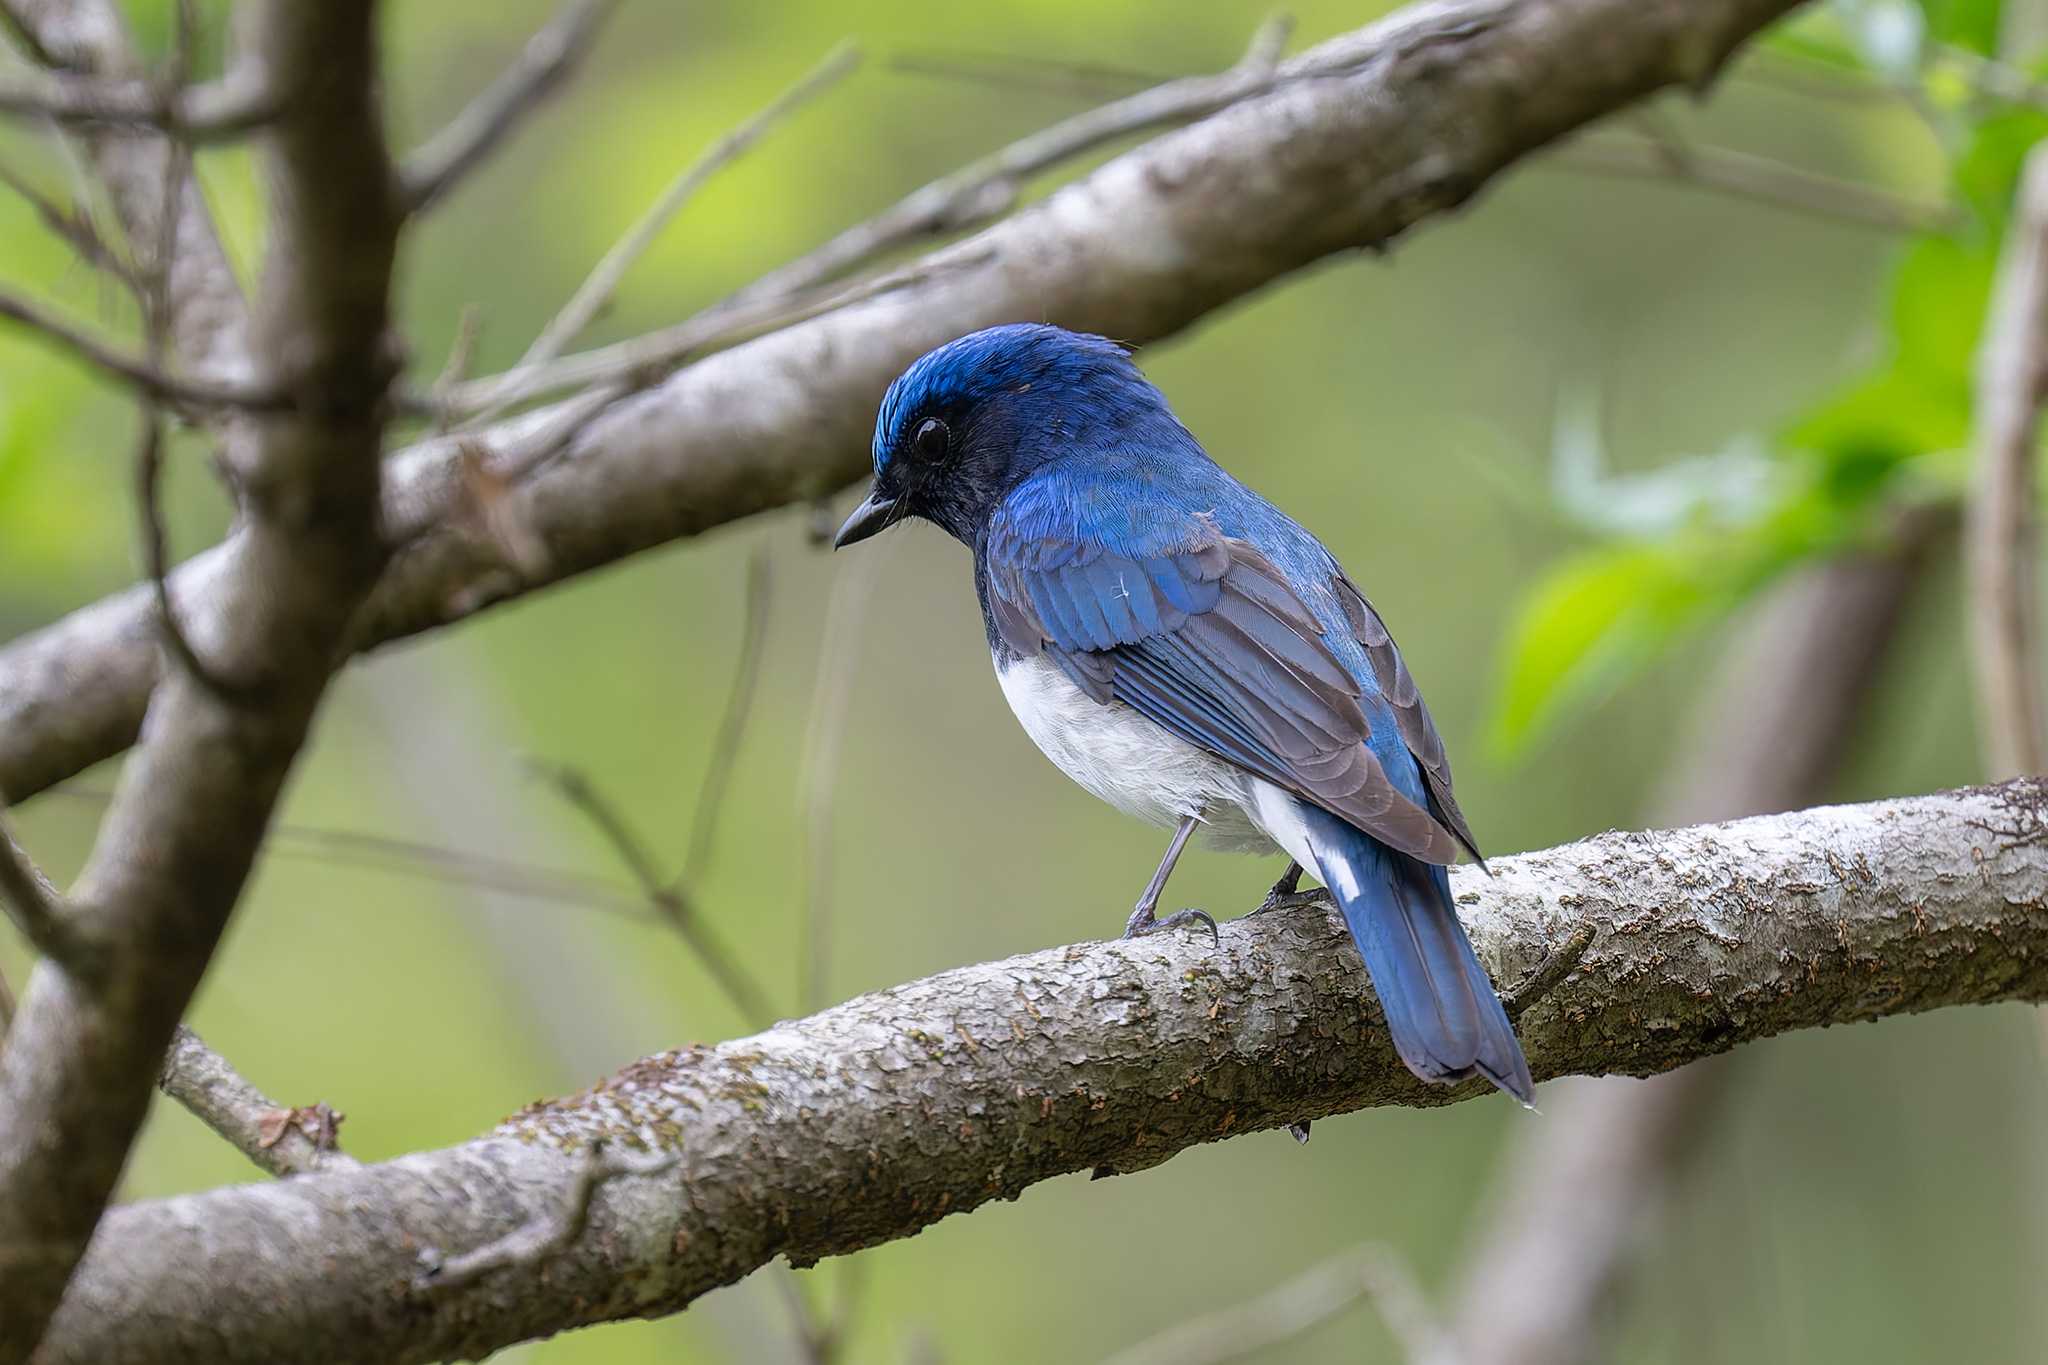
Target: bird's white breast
pixel 1135 765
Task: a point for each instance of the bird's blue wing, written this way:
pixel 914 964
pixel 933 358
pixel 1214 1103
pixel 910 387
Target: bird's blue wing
pixel 1202 633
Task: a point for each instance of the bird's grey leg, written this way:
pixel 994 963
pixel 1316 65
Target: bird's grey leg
pixel 1142 920
pixel 1287 893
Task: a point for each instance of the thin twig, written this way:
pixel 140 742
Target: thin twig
pixel 1999 520
pixel 38 910
pixel 150 381
pixel 283 1140
pixel 674 902
pixel 824 738
pixel 598 287
pixel 976 194
pixel 1757 178
pixel 987 189
pixel 213 111
pixel 732 723
pixel 1369 1273
pixel 461 355
pixel 645 360
pixel 75 227
pixel 1053 75
pixel 439 164
pixel 541 1238
pixel 156 298
pixel 6 1006
pixel 384 853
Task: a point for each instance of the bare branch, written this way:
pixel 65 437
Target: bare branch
pixel 213 111
pixel 35 907
pixel 673 901
pixel 550 55
pixel 207 312
pixel 876 1118
pixel 172 855
pixel 732 724
pixel 2012 381
pixel 155 556
pixel 853 587
pixel 595 293
pixel 281 1139
pixel 148 380
pixel 74 227
pixel 1365 1274
pixel 1420 111
pixel 1756 178
pixel 987 189
pixel 456 867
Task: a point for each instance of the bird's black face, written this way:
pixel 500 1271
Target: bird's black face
pixel 951 467
pixel 967 422
pixel 908 479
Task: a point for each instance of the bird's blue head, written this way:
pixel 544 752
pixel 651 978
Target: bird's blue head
pixel 967 422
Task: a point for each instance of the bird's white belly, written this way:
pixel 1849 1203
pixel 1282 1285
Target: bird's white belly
pixel 1133 764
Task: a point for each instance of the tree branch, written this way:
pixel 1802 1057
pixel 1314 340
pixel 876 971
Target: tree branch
pixel 215 110
pixel 280 1139
pixel 1425 108
pixel 595 293
pixel 549 57
pixel 37 911
pixel 82 1058
pixel 148 380
pixel 2012 380
pixel 206 309
pixel 875 1119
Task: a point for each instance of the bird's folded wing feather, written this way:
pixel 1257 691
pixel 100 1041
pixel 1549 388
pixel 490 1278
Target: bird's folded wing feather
pixel 1202 634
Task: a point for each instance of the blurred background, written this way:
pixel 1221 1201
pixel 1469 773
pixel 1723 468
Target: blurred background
pixel 1566 440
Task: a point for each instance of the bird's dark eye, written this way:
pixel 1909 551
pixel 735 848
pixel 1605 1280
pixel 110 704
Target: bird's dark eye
pixel 929 442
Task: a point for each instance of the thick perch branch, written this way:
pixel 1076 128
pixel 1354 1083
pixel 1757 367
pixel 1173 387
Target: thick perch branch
pixel 875 1119
pixel 1432 104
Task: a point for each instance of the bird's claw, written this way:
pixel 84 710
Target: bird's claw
pixel 1276 899
pixel 1143 922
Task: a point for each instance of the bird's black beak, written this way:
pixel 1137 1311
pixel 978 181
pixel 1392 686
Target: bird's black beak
pixel 873 515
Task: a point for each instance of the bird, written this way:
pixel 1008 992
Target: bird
pixel 1189 654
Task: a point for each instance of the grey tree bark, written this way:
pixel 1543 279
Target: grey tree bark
pixel 874 1119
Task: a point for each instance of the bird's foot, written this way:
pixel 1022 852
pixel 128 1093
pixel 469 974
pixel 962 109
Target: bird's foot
pixel 1276 899
pixel 1143 922
pixel 1287 895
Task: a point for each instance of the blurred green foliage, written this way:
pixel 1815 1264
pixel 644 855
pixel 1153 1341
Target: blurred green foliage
pixel 1877 1194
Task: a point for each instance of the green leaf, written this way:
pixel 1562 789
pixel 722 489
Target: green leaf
pixel 1590 623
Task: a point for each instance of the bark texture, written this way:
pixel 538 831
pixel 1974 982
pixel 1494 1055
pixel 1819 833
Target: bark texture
pixel 874 1119
pixel 82 1057
pixel 1404 120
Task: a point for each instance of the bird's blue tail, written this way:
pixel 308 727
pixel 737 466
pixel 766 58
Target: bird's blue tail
pixel 1441 1009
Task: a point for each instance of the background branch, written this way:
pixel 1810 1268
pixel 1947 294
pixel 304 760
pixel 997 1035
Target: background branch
pixel 1577 1200
pixel 878 1117
pixel 549 57
pixel 83 1056
pixel 1428 106
pixel 2012 379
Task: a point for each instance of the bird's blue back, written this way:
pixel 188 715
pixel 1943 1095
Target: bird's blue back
pixel 1145 501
